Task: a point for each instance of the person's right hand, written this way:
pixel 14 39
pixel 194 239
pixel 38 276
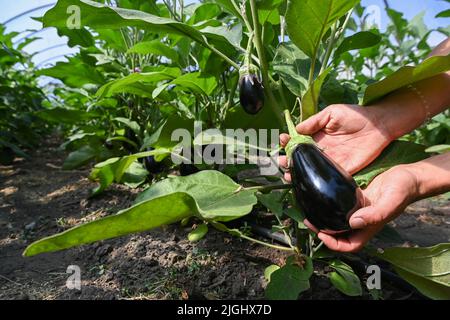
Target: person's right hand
pixel 351 135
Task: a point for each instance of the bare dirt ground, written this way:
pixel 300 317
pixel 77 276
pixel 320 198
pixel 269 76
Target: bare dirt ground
pixel 38 199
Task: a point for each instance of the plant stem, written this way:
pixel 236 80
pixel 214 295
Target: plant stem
pixel 283 28
pixel 329 48
pixel 220 54
pixel 263 62
pixel 270 187
pixel 243 16
pixel 273 246
pixel 312 70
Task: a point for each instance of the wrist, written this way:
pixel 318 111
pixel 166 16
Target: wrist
pixel 431 176
pixel 383 121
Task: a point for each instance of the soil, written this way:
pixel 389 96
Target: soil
pixel 38 199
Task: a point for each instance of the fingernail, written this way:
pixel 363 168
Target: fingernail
pixel 357 223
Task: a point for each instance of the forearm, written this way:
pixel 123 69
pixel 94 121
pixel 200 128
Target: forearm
pixel 432 176
pixel 407 109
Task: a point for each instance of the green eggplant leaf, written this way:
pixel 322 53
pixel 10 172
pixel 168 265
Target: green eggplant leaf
pixel 406 76
pixel 219 198
pixel 308 21
pixel 310 101
pixel 207 195
pixel 428 269
pixel 292 65
pixel 344 279
pixel 360 40
pixel 287 282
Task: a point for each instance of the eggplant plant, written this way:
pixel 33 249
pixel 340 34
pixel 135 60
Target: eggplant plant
pixel 147 68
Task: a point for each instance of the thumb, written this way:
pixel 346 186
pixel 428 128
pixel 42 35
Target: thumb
pixel 315 123
pixel 366 216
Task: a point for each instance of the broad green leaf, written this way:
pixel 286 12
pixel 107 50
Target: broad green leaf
pixel 133 125
pixel 155 47
pixel 292 66
pixel 112 170
pixel 80 157
pixel 228 6
pixel 335 92
pixel 232 34
pixel 268 11
pixel 399 23
pixel 443 14
pixel 310 101
pixel 135 175
pixel 288 282
pixel 428 269
pixel 74 73
pixel 272 201
pixel 141 217
pixel 345 279
pixel 121 85
pixel 406 76
pixel 218 197
pixel 360 40
pixel 196 82
pixel 207 137
pixel 198 233
pixel 308 21
pixel 399 152
pixel 63 115
pixel 99 16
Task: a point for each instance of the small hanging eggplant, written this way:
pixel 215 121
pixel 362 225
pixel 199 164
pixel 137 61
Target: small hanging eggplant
pixel 326 194
pixel 251 90
pixel 152 166
pixel 186 169
pixel 131 136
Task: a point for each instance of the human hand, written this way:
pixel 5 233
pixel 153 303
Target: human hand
pixel 384 199
pixel 352 136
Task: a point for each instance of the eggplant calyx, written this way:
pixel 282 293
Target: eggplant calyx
pixel 296 138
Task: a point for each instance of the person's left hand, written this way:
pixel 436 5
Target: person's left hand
pixel 384 199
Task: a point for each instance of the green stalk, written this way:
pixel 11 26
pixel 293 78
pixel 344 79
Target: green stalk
pixel 223 56
pixel 243 16
pixel 270 187
pixel 263 62
pixel 331 43
pixel 273 246
pixel 296 138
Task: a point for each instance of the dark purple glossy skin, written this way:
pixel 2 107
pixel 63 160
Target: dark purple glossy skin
pixel 251 94
pixel 326 193
pixel 152 165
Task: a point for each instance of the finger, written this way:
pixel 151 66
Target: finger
pixel 288 177
pixel 367 216
pixel 310 226
pixel 284 139
pixel 314 123
pixel 353 242
pixel 283 162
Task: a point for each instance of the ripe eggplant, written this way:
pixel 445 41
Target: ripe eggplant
pixel 326 194
pixel 131 136
pixel 152 165
pixel 186 169
pixel 251 93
